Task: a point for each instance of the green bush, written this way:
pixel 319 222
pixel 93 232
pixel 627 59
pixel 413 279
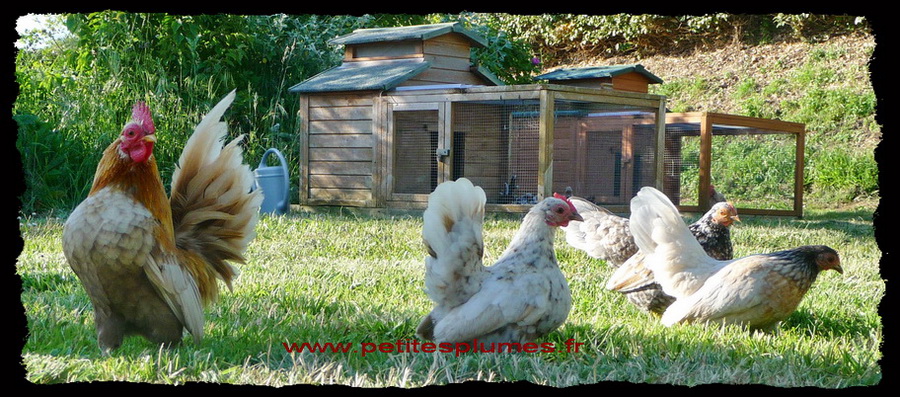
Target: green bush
pixel 53 164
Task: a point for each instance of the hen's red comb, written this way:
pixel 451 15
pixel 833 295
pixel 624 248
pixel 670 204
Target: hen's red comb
pixel 566 199
pixel 140 114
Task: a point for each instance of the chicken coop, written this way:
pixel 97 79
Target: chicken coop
pixel 755 163
pixel 407 110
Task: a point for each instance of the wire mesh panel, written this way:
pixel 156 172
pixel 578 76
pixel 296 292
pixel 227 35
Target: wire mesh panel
pixel 604 152
pixel 681 179
pixel 415 141
pixel 495 145
pixel 754 168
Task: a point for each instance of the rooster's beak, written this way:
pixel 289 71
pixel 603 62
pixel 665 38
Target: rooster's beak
pixel 150 138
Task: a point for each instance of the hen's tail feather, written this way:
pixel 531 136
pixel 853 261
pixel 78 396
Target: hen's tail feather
pixel 678 262
pixel 452 233
pixel 654 220
pixel 213 210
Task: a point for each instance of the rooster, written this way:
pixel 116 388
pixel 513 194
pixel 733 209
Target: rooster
pixel 523 296
pixel 150 263
pixel 756 291
pixel 636 281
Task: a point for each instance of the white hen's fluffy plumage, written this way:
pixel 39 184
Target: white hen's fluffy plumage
pixel 523 296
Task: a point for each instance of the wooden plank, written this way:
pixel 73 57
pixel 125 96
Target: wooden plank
pixel 341 140
pixel 634 82
pixel 451 63
pixel 340 127
pixel 340 194
pixel 650 103
pixel 303 136
pixel 408 197
pixel 341 154
pixel 341 181
pixel 387 50
pixel 340 168
pixel 765 124
pixel 705 161
pixel 341 113
pixel 684 118
pixel 339 100
pixel 798 174
pixel 339 202
pixel 379 107
pixel 660 149
pixel 627 161
pixel 443 76
pixel 445 141
pixel 447 45
pixel 545 145
pixel 387 145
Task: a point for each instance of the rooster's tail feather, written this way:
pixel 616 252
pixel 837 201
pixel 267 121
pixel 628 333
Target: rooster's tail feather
pixel 213 209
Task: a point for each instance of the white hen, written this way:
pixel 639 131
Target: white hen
pixel 677 260
pixel 523 296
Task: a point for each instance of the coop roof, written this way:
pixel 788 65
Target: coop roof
pixel 593 72
pixel 420 32
pixel 363 76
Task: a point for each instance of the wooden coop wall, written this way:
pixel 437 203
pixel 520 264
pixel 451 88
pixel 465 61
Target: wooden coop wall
pixel 369 150
pixel 602 155
pixel 339 150
pixel 450 63
pixel 700 147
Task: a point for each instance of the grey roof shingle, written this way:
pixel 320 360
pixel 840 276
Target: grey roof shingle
pixel 420 32
pixel 363 76
pixel 593 72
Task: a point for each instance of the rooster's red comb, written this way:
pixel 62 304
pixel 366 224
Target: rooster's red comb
pixel 140 114
pixel 566 199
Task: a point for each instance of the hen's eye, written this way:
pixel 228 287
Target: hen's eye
pixel 559 210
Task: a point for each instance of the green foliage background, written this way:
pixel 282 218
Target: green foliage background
pixel 76 91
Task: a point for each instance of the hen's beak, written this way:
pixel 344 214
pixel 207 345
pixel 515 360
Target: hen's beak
pixel 736 218
pixel 838 269
pixel 576 217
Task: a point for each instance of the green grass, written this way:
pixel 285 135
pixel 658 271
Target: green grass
pixel 341 277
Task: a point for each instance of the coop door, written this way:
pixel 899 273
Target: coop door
pixel 613 169
pixel 420 154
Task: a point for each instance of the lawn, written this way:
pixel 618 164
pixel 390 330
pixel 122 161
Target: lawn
pixel 340 276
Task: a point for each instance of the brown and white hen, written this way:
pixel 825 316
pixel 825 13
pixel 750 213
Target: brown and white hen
pixel 756 291
pixel 523 296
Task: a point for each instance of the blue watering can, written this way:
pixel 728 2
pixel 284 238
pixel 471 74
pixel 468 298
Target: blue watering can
pixel 274 183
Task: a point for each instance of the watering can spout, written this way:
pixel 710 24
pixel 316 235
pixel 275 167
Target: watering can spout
pixel 275 184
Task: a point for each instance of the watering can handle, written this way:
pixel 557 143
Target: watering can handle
pixel 281 159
